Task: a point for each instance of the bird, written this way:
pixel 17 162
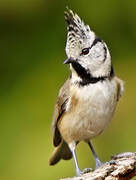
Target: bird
pixel 87 100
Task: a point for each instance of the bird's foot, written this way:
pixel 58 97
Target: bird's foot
pixel 78 172
pixel 86 170
pixel 98 163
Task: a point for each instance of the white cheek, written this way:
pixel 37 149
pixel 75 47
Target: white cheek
pixel 97 54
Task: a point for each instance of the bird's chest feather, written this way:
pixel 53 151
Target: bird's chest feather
pixel 92 106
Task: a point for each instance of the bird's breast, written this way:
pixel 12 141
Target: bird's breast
pixel 90 109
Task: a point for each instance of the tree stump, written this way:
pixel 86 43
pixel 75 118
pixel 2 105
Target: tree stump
pixel 120 167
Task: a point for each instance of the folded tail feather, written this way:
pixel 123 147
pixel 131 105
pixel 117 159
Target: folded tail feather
pixel 61 152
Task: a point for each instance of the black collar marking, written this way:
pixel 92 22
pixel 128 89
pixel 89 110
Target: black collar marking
pixel 86 77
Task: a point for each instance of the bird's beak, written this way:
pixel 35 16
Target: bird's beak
pixel 68 61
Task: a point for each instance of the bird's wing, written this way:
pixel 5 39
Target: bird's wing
pixel 59 110
pixel 120 87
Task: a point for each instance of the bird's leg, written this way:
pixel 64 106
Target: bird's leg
pixel 97 160
pixel 78 171
pixel 72 147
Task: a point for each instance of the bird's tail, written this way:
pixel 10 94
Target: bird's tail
pixel 61 152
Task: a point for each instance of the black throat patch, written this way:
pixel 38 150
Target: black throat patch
pixel 86 77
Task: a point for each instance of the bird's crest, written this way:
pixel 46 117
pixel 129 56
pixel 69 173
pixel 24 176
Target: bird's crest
pixel 78 32
pixel 75 24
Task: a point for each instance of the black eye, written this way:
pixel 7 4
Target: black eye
pixel 85 51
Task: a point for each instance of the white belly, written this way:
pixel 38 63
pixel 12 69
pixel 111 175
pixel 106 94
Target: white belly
pixel 94 110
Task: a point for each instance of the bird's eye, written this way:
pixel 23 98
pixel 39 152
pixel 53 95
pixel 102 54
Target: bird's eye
pixel 85 51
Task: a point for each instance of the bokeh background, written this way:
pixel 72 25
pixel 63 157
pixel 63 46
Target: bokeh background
pixel 32 41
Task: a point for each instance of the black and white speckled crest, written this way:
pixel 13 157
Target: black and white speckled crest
pixel 78 33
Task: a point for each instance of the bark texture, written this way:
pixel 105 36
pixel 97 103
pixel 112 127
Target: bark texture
pixel 120 167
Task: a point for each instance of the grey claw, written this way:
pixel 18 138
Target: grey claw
pixel 98 163
pixel 86 170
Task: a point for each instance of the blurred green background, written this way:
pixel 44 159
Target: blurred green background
pixel 32 41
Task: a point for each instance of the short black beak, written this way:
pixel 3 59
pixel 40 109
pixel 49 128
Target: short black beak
pixel 68 61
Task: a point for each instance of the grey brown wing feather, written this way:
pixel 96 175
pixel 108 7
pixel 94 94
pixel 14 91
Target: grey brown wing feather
pixel 120 87
pixel 59 110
